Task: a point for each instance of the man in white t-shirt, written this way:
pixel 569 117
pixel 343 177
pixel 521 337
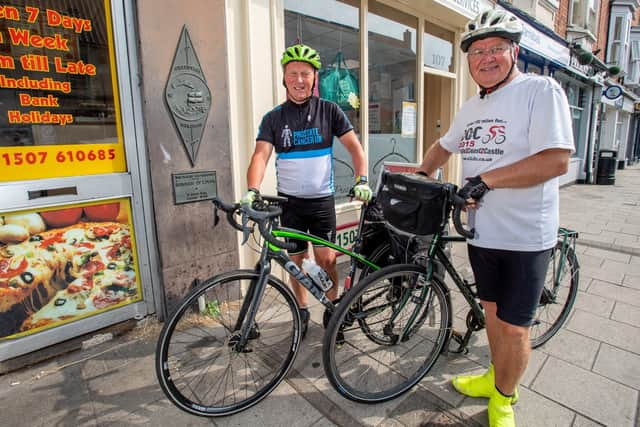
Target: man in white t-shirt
pixel 515 139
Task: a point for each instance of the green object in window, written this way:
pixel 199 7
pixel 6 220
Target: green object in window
pixel 340 85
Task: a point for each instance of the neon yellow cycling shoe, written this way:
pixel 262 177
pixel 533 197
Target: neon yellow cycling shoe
pixel 500 411
pixel 479 385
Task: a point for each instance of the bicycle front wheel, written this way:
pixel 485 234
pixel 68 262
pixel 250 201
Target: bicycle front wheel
pixel 406 320
pixel 558 295
pixel 199 365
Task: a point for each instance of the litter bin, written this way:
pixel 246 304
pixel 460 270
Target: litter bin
pixel 607 163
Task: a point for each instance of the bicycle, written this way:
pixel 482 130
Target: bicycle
pixel 234 337
pixel 408 311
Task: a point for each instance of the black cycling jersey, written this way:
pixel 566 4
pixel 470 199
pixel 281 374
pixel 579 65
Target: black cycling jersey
pixel 302 135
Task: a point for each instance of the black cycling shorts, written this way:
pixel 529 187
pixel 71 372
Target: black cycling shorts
pixel 512 279
pixel 314 216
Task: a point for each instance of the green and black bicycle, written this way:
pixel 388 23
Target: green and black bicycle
pixel 234 337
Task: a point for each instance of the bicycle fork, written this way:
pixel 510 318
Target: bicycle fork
pixel 245 327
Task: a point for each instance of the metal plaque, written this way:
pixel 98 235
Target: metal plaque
pixel 191 187
pixel 188 96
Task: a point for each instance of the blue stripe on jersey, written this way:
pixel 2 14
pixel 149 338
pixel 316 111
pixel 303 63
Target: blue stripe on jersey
pixel 305 154
pixel 331 182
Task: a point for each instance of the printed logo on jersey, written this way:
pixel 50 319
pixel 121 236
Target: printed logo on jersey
pixel 482 139
pixel 300 137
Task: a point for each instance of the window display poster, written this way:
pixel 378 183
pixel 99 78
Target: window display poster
pixel 61 264
pixel 409 119
pixel 58 88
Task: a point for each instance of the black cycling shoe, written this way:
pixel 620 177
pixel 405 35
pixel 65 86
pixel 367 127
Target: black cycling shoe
pixel 304 321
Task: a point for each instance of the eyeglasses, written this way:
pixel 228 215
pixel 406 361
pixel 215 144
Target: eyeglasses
pixel 292 75
pixel 494 51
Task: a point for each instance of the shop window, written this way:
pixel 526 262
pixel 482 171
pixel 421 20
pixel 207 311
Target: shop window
pixel 392 82
pixel 577 97
pixel 332 28
pixel 634 64
pixel 534 69
pixel 438 48
pixel 618 41
pixel 58 89
pixel 584 14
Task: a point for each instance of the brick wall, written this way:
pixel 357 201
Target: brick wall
pixel 603 29
pixel 562 18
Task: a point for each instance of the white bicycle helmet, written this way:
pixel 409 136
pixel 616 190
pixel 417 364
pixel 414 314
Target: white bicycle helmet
pixel 492 23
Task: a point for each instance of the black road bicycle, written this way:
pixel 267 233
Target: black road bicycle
pixel 408 315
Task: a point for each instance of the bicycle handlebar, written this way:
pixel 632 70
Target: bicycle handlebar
pixel 458 204
pixel 260 217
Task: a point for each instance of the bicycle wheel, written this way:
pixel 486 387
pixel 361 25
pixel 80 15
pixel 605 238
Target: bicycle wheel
pixel 360 367
pixel 198 366
pixel 558 295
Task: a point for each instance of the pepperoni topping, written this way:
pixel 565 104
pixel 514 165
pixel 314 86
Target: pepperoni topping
pixel 92 267
pixel 104 230
pixel 57 238
pixel 7 271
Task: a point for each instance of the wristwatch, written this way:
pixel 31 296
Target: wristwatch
pixel 361 179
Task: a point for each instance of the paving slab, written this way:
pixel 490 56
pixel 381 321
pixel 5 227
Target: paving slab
pixel 626 313
pixel 605 330
pixel 599 398
pixel 616 292
pixel 619 365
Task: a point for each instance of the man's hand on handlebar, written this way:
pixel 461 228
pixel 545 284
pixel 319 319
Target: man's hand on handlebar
pixel 250 196
pixel 361 190
pixel 473 191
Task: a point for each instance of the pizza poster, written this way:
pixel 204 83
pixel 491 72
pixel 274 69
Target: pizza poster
pixel 58 89
pixel 59 265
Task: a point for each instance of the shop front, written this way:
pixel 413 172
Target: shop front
pixel 73 250
pixel 393 66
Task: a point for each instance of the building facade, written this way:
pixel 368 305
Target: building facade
pixel 124 118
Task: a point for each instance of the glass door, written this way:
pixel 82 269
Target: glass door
pixel 69 262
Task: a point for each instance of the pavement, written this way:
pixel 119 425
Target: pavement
pixel 587 375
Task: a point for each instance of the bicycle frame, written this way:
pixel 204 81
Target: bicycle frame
pixel 475 319
pixel 281 257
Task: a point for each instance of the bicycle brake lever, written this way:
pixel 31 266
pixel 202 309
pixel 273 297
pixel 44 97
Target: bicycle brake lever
pixel 216 217
pixel 245 228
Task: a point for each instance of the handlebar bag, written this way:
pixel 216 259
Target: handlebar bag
pixel 413 203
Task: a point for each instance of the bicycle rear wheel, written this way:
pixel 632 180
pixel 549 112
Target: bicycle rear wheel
pixel 197 363
pixel 558 295
pixel 406 321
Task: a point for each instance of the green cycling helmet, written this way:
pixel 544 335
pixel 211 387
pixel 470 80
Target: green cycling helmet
pixel 300 52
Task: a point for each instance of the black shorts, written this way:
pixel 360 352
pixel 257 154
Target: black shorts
pixel 314 216
pixel 512 279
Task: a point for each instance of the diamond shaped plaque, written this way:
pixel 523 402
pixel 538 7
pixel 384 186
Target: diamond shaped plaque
pixel 188 96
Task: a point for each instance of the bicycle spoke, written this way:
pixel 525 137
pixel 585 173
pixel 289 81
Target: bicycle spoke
pixel 202 365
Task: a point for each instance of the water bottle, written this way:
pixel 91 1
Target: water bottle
pixel 317 274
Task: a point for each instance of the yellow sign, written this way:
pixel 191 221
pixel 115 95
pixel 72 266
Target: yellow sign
pixel 45 161
pixel 58 87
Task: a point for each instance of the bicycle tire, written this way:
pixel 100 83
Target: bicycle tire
pixel 357 366
pixel 198 368
pixel 556 301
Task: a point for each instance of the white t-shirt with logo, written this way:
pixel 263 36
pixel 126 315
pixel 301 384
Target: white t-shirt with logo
pixel 525 117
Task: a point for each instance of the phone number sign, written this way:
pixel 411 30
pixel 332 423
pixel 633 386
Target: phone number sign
pixel 36 162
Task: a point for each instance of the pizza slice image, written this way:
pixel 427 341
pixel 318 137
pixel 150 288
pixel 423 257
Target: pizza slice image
pixel 65 273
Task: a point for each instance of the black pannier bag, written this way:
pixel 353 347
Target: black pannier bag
pixel 413 203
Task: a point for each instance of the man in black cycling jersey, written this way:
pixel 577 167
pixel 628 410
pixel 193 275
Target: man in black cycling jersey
pixel 515 139
pixel 302 130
